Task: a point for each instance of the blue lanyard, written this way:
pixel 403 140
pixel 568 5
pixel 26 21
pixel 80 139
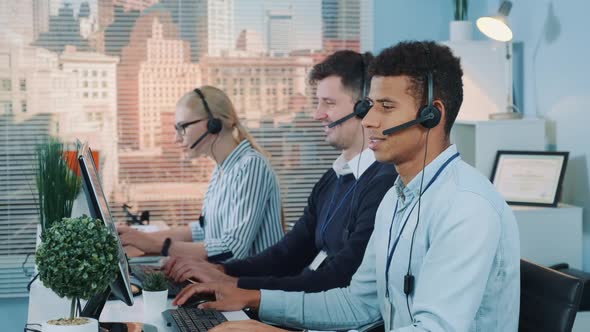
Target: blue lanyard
pixel 330 215
pixel 392 250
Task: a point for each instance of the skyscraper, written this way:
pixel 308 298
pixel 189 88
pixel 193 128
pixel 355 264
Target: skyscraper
pixel 16 18
pixel 341 25
pixel 64 29
pixel 40 17
pixel 207 24
pixel 164 76
pixel 94 117
pixel 279 31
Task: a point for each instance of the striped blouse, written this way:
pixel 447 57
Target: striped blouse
pixel 242 207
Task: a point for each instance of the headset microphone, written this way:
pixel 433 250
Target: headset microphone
pixel 339 121
pixel 422 119
pixel 199 140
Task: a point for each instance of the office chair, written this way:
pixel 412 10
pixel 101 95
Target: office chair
pixel 549 299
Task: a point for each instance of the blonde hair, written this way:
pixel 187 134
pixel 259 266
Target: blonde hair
pixel 222 108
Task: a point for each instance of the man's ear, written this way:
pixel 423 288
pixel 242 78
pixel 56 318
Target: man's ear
pixel 443 113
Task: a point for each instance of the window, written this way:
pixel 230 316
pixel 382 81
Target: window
pixel 6 84
pixel 7 107
pixel 23 84
pixel 131 93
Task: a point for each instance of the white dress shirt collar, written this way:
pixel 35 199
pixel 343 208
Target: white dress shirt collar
pixel 357 165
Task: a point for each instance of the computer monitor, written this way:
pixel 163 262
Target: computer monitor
pixel 99 209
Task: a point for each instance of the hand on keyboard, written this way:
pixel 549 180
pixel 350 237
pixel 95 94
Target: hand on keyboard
pixel 228 296
pixel 140 240
pixel 184 268
pixel 197 299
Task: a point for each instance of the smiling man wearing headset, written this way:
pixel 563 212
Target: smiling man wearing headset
pixel 444 255
pixel 326 245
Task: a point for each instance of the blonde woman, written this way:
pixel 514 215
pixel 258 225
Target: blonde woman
pixel 241 213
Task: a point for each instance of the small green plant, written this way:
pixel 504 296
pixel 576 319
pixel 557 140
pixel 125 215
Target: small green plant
pixel 460 10
pixel 78 258
pixel 155 282
pixel 57 184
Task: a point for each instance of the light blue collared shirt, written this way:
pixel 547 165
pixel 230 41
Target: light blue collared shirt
pixel 465 261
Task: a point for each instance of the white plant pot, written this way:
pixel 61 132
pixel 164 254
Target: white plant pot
pixel 460 30
pixel 91 326
pixel 154 303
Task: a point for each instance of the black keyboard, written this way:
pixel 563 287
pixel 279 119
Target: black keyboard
pixel 140 271
pixel 193 319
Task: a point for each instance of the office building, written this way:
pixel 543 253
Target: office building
pixel 94 118
pixel 280 31
pixel 64 29
pixel 259 86
pixel 341 25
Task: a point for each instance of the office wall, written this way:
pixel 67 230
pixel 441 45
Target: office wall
pixel 397 20
pixel 557 88
pixel 556 69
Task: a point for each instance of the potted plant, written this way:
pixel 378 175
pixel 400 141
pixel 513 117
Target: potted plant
pixel 460 28
pixel 77 259
pixel 155 294
pixel 57 184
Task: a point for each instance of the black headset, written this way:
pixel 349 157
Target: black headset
pixel 428 116
pixel 214 125
pixel 362 106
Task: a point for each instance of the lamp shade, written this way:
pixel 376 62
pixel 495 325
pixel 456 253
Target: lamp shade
pixel 496 27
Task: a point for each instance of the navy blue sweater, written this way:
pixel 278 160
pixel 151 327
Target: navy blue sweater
pixel 283 266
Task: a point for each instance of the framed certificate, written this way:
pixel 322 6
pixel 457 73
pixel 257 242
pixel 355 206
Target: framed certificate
pixel 529 177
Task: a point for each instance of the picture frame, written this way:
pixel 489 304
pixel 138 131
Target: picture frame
pixel 530 178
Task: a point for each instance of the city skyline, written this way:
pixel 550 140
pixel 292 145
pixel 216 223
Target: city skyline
pixel 307 16
pixel 111 71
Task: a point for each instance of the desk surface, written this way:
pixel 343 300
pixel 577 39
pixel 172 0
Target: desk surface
pixel 44 304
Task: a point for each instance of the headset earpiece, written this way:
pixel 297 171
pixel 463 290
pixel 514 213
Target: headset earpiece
pixel 429 114
pixel 362 106
pixel 214 125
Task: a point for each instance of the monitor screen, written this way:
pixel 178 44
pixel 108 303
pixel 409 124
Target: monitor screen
pixel 99 208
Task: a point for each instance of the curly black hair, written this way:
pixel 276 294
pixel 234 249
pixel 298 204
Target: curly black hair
pixel 349 65
pixel 414 59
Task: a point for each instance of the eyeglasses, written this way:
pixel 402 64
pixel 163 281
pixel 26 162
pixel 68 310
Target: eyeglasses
pixel 181 127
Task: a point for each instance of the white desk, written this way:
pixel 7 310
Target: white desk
pixel 44 304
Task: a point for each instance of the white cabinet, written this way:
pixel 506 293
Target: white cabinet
pixel 550 235
pixel 547 235
pixel 478 141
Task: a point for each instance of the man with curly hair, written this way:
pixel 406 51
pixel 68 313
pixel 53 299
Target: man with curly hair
pixel 444 254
